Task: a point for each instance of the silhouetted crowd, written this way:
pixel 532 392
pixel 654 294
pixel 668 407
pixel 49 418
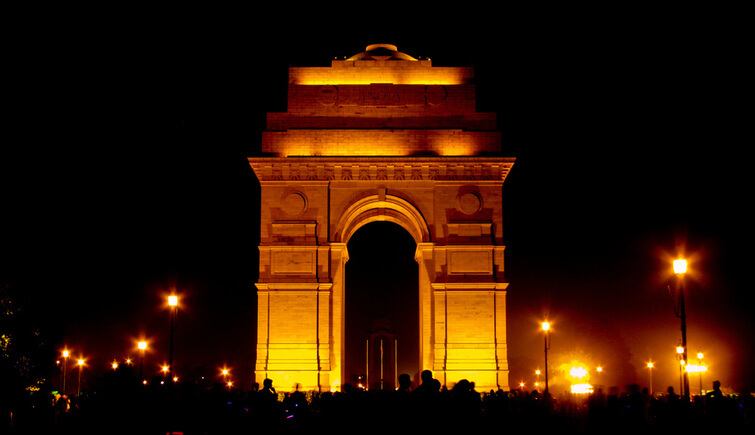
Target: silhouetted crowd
pixel 189 409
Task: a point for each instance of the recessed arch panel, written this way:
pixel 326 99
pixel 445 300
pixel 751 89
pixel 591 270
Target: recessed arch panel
pixel 373 209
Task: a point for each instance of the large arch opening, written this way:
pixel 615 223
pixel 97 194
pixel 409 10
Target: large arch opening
pixel 381 283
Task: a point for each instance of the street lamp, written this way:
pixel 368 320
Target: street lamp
pixel 65 363
pixel 680 358
pixel 142 347
pixel 650 372
pixel 546 329
pixel 81 365
pixel 680 268
pixel 700 373
pixel 173 303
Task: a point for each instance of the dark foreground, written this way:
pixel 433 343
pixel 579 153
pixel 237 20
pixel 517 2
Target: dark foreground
pixel 219 411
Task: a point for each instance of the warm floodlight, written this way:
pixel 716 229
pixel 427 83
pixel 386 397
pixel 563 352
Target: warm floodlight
pixel 546 326
pixel 699 355
pixel 114 365
pixel 695 368
pixel 679 350
pixel 81 362
pixel 600 369
pixel 165 368
pixel 680 266
pixel 581 389
pixel 172 300
pixel 650 365
pixel 578 372
pixel 65 354
pixel 142 345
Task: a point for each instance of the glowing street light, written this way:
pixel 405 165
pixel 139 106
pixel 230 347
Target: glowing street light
pixel 142 345
pixel 650 372
pixel 680 358
pixel 81 365
pixel 701 369
pixel 680 268
pixel 546 328
pixel 65 363
pixel 173 303
pixel 114 365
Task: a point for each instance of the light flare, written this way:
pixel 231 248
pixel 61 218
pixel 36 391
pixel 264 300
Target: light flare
pixel 581 389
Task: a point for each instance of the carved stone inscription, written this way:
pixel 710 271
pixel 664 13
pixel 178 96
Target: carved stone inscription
pixel 381 95
pixel 463 262
pixel 293 262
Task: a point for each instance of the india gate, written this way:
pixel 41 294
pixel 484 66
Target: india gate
pixel 381 136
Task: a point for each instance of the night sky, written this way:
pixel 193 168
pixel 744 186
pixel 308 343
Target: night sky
pixel 126 176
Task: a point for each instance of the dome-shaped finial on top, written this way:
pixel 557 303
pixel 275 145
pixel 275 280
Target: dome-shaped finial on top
pixel 390 47
pixel 381 52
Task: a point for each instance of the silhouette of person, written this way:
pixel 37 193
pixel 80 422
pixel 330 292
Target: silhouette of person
pixel 716 393
pixel 268 402
pixel 429 384
pixel 404 383
pixel 268 392
pixel 671 394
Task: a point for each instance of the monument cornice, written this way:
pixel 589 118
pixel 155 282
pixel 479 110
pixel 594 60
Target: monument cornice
pixel 356 168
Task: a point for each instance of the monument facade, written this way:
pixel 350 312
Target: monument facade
pixel 381 136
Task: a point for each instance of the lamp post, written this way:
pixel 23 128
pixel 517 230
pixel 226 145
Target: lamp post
pixel 680 268
pixel 650 373
pixel 142 347
pixel 81 365
pixel 65 363
pixel 700 372
pixel 546 329
pixel 173 303
pixel 680 358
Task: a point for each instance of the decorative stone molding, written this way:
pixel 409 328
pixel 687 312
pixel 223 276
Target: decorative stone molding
pixel 381 168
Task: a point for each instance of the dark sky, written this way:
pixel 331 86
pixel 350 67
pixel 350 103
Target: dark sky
pixel 126 175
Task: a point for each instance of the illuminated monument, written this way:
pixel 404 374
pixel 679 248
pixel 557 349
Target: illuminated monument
pixel 381 136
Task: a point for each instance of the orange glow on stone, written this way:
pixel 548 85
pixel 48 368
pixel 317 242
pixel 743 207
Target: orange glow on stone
pixel 361 73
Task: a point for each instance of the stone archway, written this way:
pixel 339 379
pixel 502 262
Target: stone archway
pixel 346 154
pixel 381 295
